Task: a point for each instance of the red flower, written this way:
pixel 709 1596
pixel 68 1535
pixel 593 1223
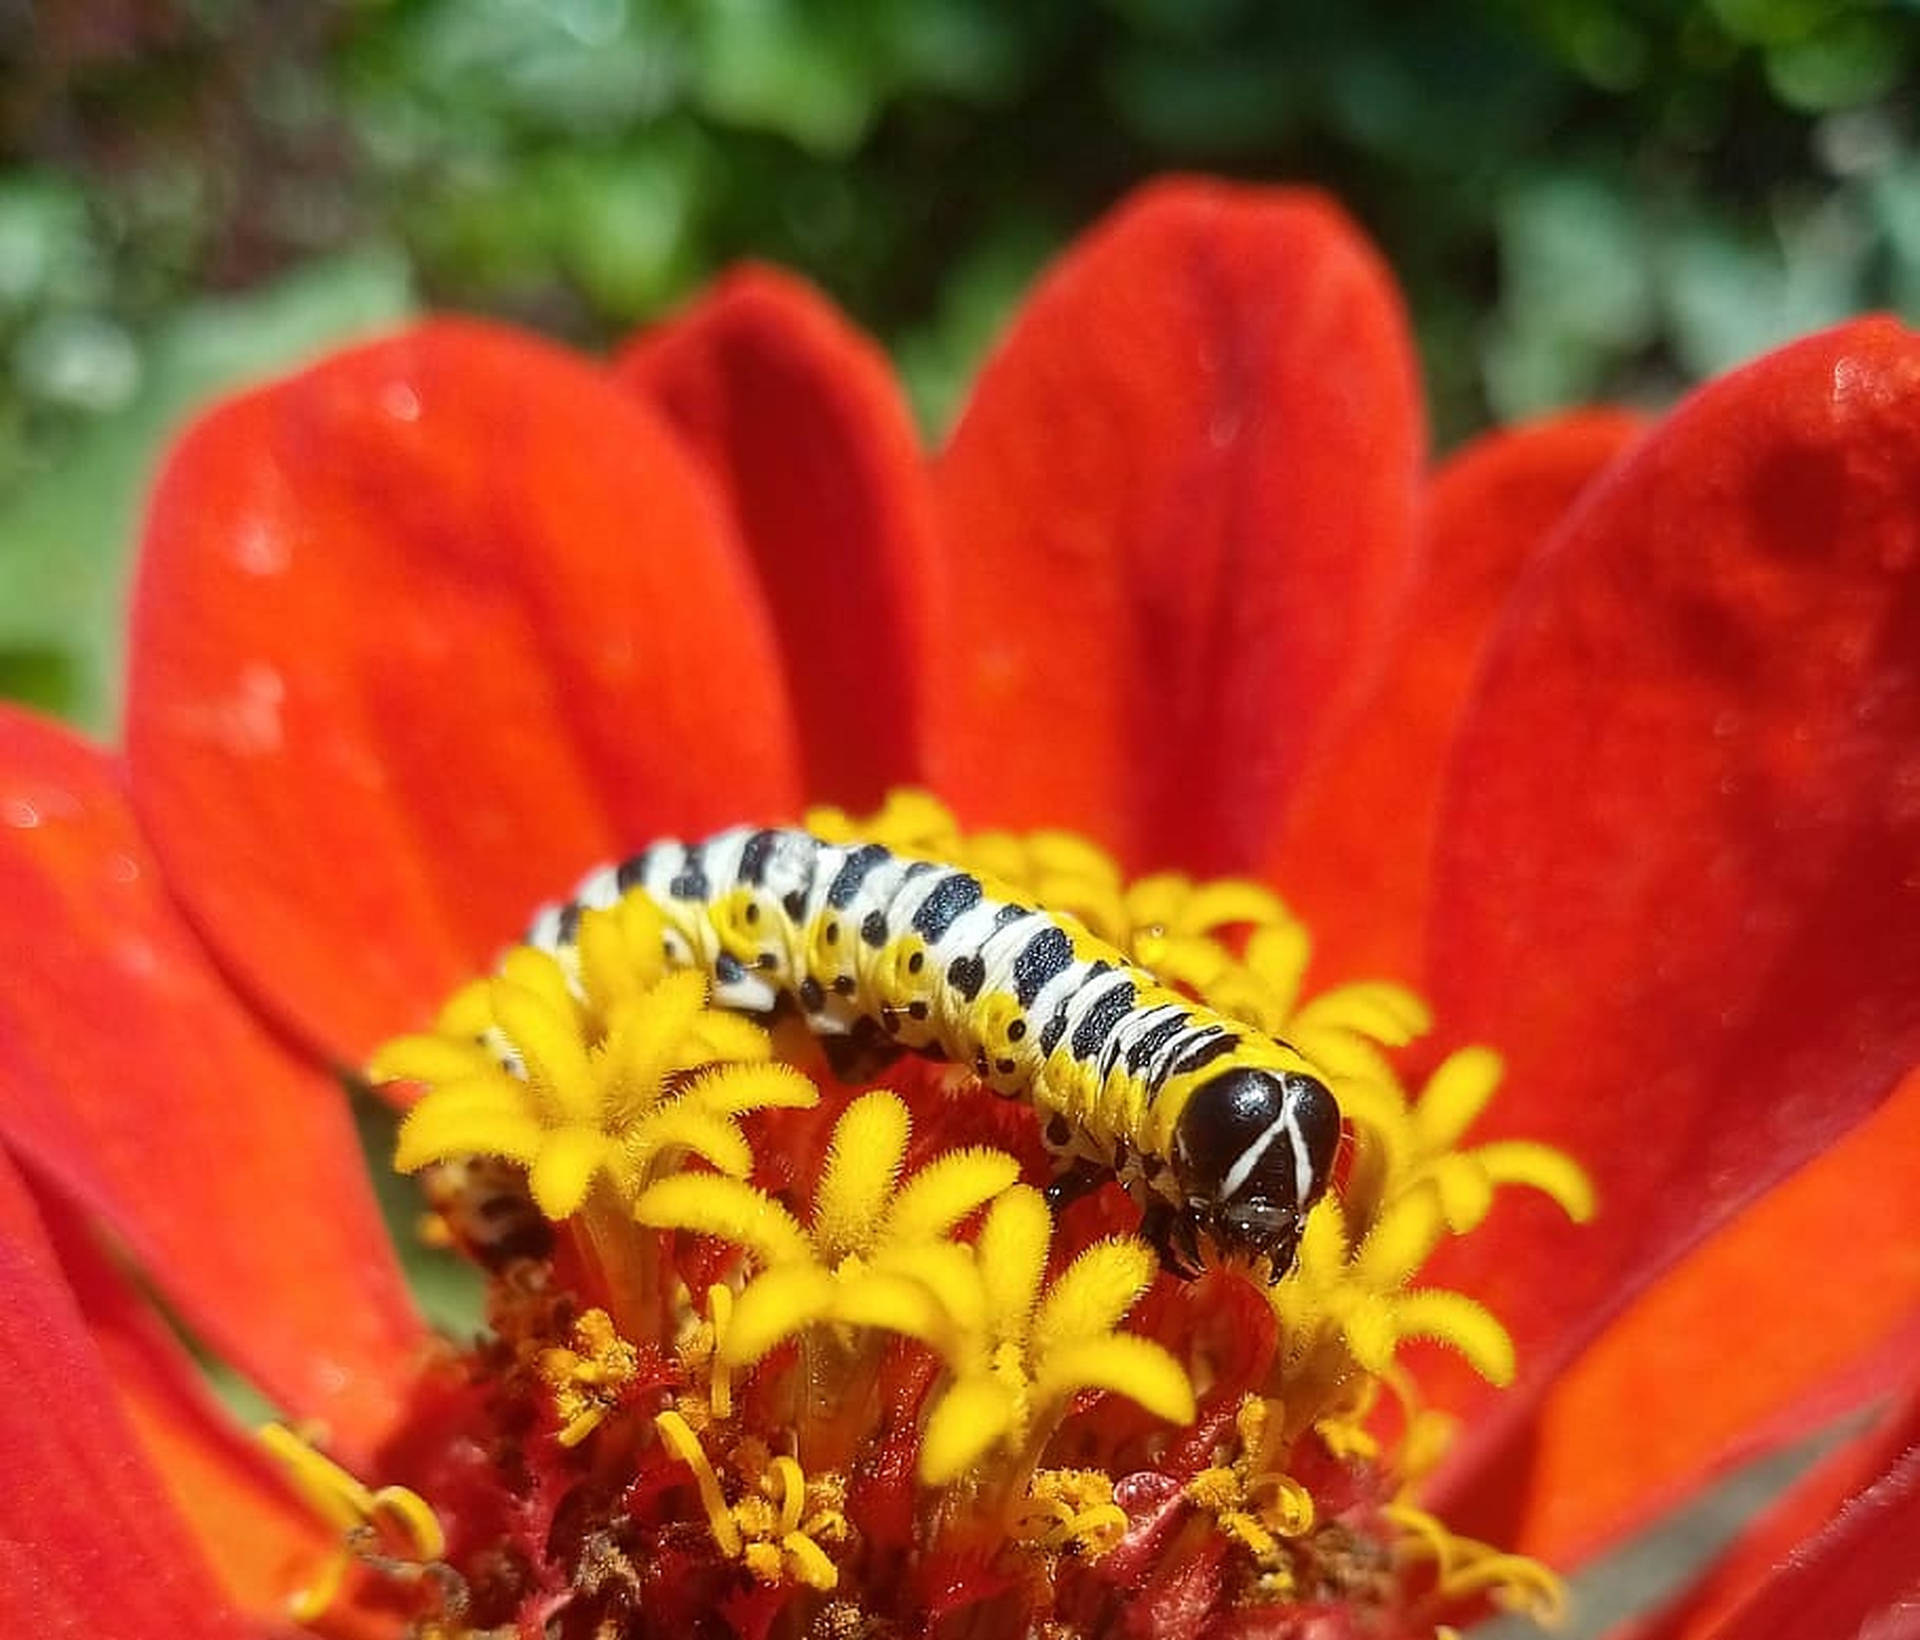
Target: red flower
pixel 1610 738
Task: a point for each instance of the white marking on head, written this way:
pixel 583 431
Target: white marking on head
pixel 1302 1162
pixel 1248 1159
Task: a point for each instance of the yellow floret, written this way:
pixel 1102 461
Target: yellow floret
pixel 589 1077
pixel 865 1225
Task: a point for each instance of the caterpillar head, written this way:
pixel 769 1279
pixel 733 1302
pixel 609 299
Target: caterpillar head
pixel 1252 1151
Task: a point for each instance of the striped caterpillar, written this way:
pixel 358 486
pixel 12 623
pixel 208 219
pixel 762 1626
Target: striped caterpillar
pixel 1223 1136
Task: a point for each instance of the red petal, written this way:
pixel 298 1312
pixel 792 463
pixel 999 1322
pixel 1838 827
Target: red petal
pixel 1676 883
pixel 88 1542
pixel 133 1079
pixel 799 422
pixel 1179 510
pixel 262 1543
pixel 421 635
pixel 1634 1429
pixel 1356 857
pixel 1840 1547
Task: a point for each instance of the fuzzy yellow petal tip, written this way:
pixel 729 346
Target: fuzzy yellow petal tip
pixel 774 1306
pixel 444 1125
pixel 1462 1324
pixel 945 1191
pixel 712 1205
pixel 973 1417
pixel 1145 1372
pixel 1095 1292
pixel 1550 1171
pixel 565 1169
pixel 1013 1247
pixel 863 1162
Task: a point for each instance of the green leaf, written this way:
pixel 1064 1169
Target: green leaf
pixel 1579 291
pixel 939 360
pixel 1850 61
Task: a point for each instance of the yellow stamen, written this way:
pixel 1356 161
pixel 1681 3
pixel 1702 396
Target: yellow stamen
pixel 1258 1507
pixel 777 1529
pixel 1290 1511
pixel 685 1445
pixel 354 1509
pixel 809 1562
pixel 1455 1095
pixel 728 1209
pixel 792 1487
pixel 586 1381
pixel 1071 1511
pixel 1553 1172
pixel 1464 1567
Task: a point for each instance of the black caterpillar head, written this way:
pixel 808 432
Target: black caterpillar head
pixel 1252 1151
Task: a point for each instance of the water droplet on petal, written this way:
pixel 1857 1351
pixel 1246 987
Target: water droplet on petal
pixel 400 401
pixel 261 549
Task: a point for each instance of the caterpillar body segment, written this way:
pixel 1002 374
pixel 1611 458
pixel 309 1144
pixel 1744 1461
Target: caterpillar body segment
pixel 1222 1135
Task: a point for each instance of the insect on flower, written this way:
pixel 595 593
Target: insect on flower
pixel 1221 1134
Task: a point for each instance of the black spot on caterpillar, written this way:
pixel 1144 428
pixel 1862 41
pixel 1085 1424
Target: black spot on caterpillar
pixel 1223 1136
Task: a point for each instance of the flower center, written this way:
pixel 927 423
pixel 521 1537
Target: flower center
pixel 816 1356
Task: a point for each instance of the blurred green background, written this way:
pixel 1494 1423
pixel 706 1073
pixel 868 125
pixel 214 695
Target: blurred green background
pixel 1583 198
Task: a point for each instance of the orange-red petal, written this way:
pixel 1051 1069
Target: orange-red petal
pixel 1676 878
pixel 420 635
pixel 798 419
pixel 136 1084
pixel 1835 1556
pixel 1356 857
pixel 1179 513
pixel 1824 1272
pixel 89 1544
pixel 260 1541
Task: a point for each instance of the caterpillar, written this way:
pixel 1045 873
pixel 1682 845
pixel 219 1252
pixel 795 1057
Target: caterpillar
pixel 1222 1136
